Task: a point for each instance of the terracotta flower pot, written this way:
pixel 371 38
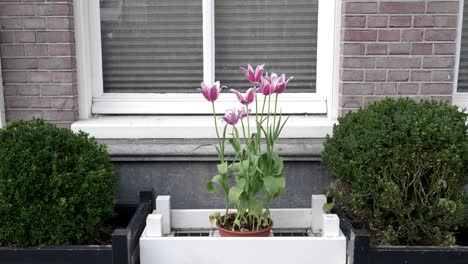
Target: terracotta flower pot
pixel 260 233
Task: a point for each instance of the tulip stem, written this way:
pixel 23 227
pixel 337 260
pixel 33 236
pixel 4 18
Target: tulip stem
pixel 276 103
pixel 221 146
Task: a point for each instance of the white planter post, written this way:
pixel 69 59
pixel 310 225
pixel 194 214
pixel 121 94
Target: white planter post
pixel 163 207
pixel 331 225
pixel 318 201
pixel 154 225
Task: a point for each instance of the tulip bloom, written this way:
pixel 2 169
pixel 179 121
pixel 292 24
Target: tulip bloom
pixel 282 83
pixel 211 92
pixel 231 116
pixel 266 87
pixel 246 99
pixel 251 75
pixel 243 112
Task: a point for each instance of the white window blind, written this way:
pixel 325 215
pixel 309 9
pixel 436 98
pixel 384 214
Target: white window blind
pixel 151 46
pixel 279 33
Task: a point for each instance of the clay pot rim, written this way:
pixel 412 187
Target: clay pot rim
pixel 245 233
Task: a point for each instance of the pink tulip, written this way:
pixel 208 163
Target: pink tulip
pixel 231 116
pixel 282 83
pixel 246 99
pixel 251 75
pixel 211 92
pixel 243 112
pixel 266 86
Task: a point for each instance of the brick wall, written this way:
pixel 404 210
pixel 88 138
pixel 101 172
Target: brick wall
pixel 397 48
pixel 38 63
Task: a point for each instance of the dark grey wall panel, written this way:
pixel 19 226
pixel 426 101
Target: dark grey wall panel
pixel 185 182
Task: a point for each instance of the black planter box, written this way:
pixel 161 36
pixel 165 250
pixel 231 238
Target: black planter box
pixel 124 248
pixel 360 251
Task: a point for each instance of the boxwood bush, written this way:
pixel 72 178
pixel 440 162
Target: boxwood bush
pixel 56 187
pixel 398 169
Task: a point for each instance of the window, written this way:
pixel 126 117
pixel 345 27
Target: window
pixel 145 57
pixel 461 83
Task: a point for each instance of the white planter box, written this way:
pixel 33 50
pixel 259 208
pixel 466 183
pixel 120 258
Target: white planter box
pixel 324 243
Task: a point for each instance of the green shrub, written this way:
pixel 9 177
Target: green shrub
pixel 398 169
pixel 56 187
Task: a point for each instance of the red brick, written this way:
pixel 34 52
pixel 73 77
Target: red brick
pixel 57 89
pixel 377 21
pixel 376 49
pixel 350 75
pixel 7 36
pixel 421 49
pixel 36 50
pixel 441 34
pixel 12 51
pixel 385 88
pixel 444 48
pixel 357 88
pixel 402 7
pixel 360 35
pixel 17 102
pixel 360 8
pixel 417 76
pixel 351 101
pixel 59 115
pixel 398 62
pixel 56 63
pixel 41 102
pixel 442 7
pixel 353 49
pixel 398 76
pixel 40 77
pixel 435 21
pixel 436 88
pixel 25 37
pixel 15 76
pixel 399 48
pixel 61 49
pixel 408 88
pixel 442 76
pixel 28 89
pixel 400 21
pixel 372 99
pixel 59 23
pixel 54 10
pixel 363 63
pixel 55 37
pixel 11 23
pixel 389 35
pixel 19 63
pixel 16 10
pixel 412 35
pixel 375 75
pixel 64 103
pixel 63 77
pixel 22 114
pixel 438 62
pixel 10 89
pixel 34 23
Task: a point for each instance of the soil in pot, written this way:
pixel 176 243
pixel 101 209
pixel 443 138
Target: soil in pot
pixel 246 230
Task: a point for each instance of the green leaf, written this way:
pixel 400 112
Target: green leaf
pixel 235 194
pixel 214 216
pixel 328 207
pixel 218 179
pixel 223 168
pixel 274 185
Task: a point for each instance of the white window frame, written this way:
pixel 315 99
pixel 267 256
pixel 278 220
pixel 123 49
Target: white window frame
pixel 459 99
pixel 93 100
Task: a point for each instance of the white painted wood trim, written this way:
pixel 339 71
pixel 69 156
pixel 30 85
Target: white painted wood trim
pixel 333 101
pixel 459 99
pixel 293 103
pixel 208 41
pixel 2 100
pixel 162 127
pixel 89 64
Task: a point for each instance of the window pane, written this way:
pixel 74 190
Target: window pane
pixel 463 69
pixel 279 33
pixel 151 46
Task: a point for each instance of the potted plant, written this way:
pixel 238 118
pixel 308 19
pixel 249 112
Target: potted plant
pixel 57 205
pixel 257 168
pixel 398 171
